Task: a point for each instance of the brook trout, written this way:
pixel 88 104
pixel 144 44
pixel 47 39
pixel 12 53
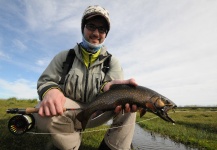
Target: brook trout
pixel 120 94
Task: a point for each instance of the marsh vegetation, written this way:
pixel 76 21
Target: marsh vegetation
pixel 195 127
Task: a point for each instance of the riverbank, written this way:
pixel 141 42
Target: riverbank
pixel 145 140
pixel 196 127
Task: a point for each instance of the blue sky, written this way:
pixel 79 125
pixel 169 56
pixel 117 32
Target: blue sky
pixel 166 45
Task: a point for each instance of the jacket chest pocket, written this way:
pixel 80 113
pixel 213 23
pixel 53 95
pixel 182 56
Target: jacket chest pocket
pixel 73 84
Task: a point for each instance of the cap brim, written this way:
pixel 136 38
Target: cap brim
pixel 94 15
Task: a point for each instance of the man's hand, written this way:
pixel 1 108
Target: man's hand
pixel 127 107
pixel 129 81
pixel 52 103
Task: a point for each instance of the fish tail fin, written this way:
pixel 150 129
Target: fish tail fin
pixel 84 124
pixel 80 117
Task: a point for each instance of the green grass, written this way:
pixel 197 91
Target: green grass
pixel 29 141
pixel 196 127
pixel 193 127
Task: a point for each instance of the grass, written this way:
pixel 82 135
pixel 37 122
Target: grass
pixel 195 127
pixel 28 141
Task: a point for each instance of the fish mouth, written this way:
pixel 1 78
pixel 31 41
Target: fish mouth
pixel 163 113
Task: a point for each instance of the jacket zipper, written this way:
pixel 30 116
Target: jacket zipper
pixel 86 79
pixel 97 84
pixel 76 84
pixel 66 85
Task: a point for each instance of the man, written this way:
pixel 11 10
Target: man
pixel 84 81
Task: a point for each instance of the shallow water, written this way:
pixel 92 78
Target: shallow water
pixel 144 140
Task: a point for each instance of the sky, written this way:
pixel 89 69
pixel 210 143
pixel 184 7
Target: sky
pixel 166 45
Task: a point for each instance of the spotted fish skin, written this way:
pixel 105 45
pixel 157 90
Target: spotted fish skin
pixel 120 94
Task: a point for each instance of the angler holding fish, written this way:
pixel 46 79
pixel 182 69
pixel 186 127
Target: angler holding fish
pixel 90 80
pixel 76 77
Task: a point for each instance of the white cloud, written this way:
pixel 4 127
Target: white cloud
pixel 43 62
pixel 172 49
pixel 19 45
pixel 19 88
pixel 3 55
pixel 167 45
pixel 51 15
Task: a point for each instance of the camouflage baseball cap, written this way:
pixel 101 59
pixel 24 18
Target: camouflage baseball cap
pixel 93 11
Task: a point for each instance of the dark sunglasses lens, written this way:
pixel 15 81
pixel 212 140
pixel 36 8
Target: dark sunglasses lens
pixel 102 29
pixel 92 27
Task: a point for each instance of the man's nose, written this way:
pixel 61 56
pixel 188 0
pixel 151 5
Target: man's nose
pixel 96 31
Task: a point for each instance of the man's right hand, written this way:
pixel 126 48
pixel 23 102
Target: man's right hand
pixel 52 103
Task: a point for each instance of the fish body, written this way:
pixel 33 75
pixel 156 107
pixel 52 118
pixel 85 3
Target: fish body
pixel 120 94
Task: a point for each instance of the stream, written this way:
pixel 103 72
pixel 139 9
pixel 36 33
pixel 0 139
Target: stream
pixel 144 140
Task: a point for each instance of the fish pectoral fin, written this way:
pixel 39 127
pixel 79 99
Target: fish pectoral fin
pixel 142 112
pixel 96 114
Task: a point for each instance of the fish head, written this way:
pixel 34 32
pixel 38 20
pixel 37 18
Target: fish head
pixel 160 105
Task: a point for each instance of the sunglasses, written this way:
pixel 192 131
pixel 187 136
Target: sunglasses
pixel 92 27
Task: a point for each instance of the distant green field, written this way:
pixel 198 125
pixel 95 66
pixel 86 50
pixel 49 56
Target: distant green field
pixel 196 127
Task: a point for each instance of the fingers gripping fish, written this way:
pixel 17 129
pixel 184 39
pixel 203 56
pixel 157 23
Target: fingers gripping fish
pixel 120 94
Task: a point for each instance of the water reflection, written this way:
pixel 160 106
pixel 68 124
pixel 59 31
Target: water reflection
pixel 144 140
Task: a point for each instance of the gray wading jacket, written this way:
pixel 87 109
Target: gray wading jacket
pixel 81 83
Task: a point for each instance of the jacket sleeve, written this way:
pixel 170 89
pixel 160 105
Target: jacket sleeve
pixel 51 75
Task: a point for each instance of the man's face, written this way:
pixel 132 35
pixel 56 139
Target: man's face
pixel 95 30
